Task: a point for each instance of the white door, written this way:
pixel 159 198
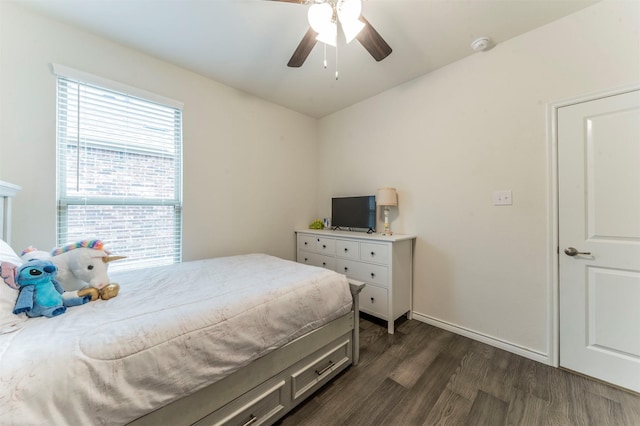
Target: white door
pixel 599 217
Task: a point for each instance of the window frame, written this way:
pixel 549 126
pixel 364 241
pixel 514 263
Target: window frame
pixel 64 200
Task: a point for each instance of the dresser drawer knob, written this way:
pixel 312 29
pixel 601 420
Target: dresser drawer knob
pixel 373 300
pixel 373 275
pixel 346 250
pixel 373 253
pixel 324 246
pixel 305 243
pixel 346 269
pixel 324 263
pixel 306 259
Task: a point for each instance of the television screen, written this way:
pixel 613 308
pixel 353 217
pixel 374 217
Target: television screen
pixel 354 212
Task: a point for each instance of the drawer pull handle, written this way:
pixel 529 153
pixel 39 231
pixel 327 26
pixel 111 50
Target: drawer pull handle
pixel 346 269
pixel 373 253
pixel 324 246
pixel 324 370
pixel 306 259
pixel 305 243
pixel 252 420
pixel 373 300
pixel 346 250
pixel 324 263
pixel 373 275
pixel 318 240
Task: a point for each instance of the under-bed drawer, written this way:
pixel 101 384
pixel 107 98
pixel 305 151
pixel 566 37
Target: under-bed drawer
pixel 319 369
pixel 253 408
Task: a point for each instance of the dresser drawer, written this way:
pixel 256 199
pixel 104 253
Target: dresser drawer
pixel 315 259
pixel 255 407
pixel 326 246
pixel 319 369
pixel 373 300
pixel 377 253
pixel 348 249
pixel 367 272
pixel 306 242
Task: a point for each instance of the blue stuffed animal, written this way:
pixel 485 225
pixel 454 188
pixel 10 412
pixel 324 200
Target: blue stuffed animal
pixel 40 294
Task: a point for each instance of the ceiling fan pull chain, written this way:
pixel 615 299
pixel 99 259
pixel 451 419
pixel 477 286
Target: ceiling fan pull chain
pixel 336 62
pixel 325 56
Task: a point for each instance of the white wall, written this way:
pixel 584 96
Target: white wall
pixel 448 139
pixel 239 151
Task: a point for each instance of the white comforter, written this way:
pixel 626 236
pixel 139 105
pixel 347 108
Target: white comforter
pixel 171 331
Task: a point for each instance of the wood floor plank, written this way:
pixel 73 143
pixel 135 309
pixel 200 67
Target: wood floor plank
pixel 603 411
pixel 487 410
pixel 630 404
pixel 409 369
pixel 415 406
pixel 419 401
pixel 472 370
pixel 377 406
pixel 423 375
pixel 527 409
pixel 450 409
pixel 499 380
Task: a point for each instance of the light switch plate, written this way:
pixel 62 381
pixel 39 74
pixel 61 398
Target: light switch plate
pixel 502 198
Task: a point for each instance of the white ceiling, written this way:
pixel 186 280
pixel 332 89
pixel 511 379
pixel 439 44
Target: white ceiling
pixel 246 44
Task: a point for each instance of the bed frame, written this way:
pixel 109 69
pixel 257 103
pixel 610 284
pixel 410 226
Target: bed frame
pixel 265 390
pixel 7 190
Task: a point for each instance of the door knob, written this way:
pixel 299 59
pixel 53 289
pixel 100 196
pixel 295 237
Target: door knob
pixel 571 251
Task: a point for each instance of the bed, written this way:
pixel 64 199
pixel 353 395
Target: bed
pixel 233 340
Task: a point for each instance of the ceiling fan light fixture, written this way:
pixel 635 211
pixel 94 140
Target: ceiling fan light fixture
pixel 349 15
pixel 329 35
pixel 351 29
pixel 320 17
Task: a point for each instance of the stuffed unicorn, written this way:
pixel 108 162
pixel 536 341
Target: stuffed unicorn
pixel 82 267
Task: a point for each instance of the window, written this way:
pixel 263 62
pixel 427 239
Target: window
pixel 119 169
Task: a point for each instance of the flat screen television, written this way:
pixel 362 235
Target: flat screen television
pixel 354 213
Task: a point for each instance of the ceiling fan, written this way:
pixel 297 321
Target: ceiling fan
pixel 324 16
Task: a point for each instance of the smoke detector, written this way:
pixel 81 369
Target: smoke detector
pixel 481 44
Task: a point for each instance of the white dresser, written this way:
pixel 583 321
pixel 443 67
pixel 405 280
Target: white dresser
pixel 384 263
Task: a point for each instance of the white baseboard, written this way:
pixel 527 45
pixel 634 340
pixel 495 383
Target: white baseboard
pixel 498 343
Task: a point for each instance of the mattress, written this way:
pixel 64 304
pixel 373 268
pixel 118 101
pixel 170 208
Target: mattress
pixel 171 331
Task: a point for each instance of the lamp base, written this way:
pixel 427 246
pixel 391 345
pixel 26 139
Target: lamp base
pixel 387 227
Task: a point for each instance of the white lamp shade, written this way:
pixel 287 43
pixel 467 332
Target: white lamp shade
pixel 387 197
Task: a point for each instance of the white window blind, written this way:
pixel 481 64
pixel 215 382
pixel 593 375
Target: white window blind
pixel 119 173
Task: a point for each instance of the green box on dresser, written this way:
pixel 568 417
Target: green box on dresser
pixel 384 263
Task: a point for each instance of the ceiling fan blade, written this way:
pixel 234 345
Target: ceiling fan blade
pixel 373 42
pixel 304 48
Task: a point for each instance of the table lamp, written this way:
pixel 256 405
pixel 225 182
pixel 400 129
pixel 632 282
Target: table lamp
pixel 387 197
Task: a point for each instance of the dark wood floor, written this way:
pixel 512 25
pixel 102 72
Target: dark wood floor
pixel 423 375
